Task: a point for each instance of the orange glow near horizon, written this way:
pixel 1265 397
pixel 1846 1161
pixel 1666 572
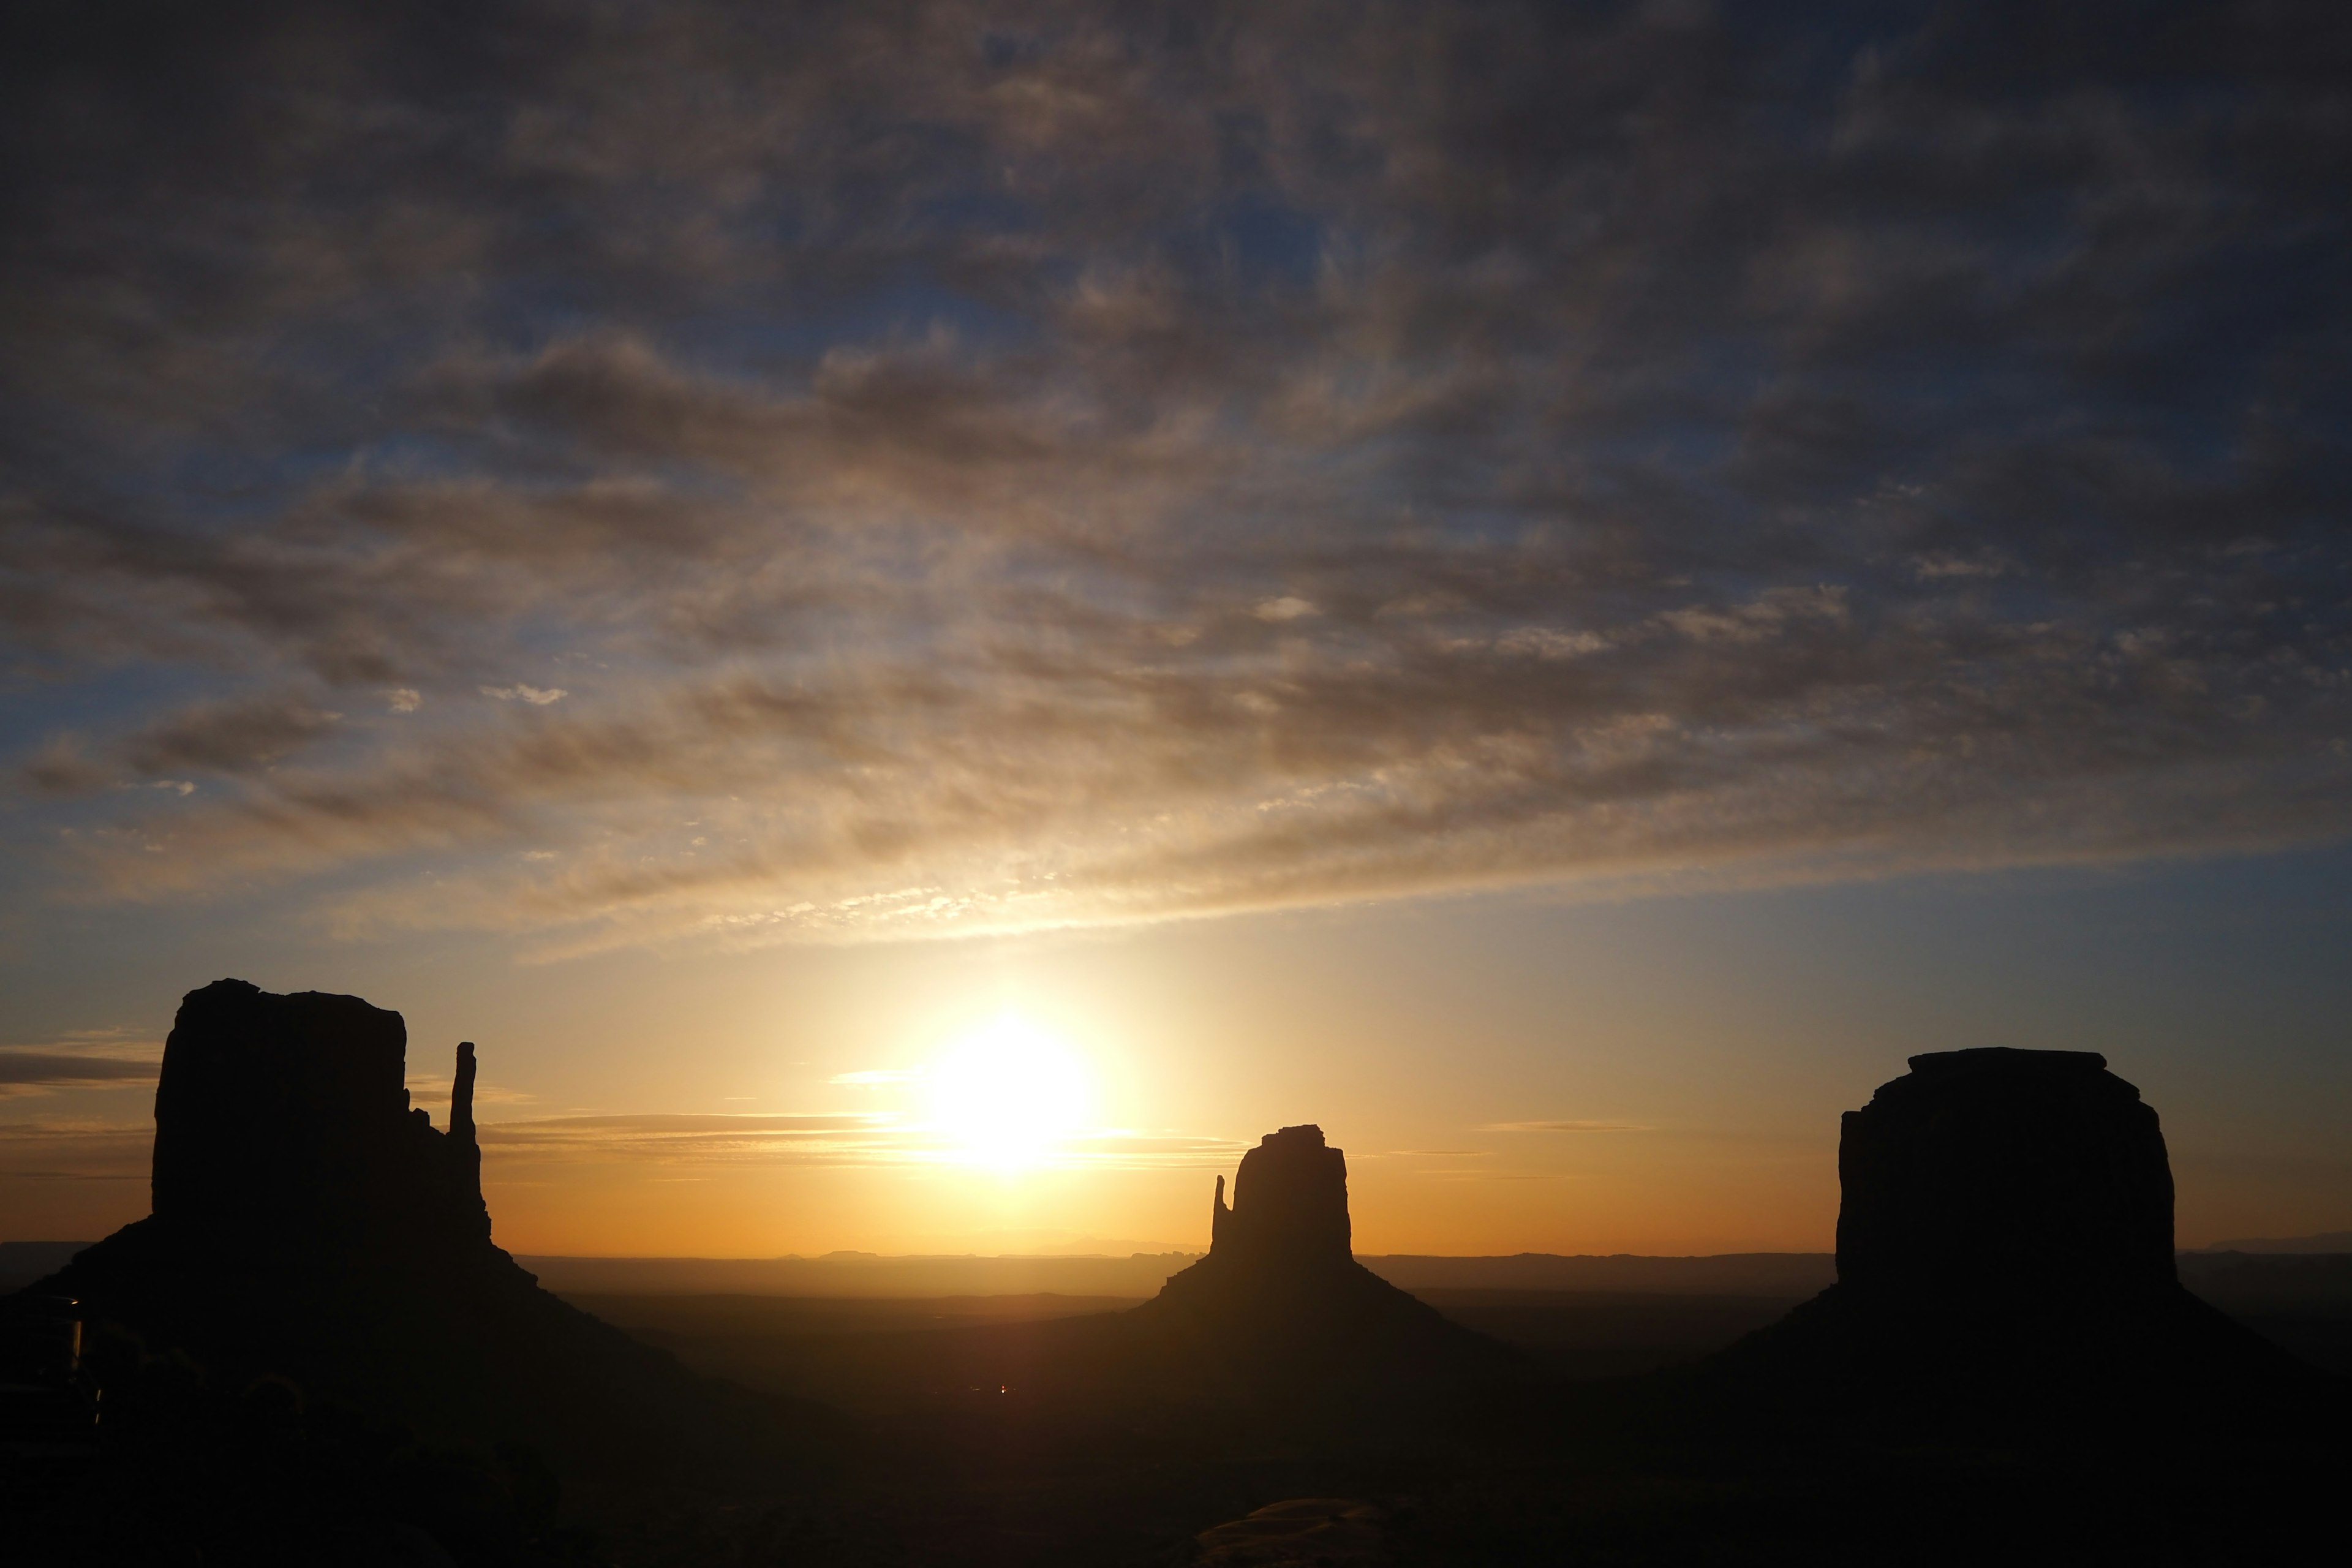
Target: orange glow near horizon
pixel 1658 1079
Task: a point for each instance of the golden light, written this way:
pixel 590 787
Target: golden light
pixel 1007 1094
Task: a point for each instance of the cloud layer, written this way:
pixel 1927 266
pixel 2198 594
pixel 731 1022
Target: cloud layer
pixel 818 1140
pixel 21 1069
pixel 742 472
pixel 99 1060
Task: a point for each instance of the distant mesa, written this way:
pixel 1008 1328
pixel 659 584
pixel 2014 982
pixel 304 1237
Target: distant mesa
pixel 310 1225
pixel 1280 1303
pixel 2005 1254
pixel 2329 1242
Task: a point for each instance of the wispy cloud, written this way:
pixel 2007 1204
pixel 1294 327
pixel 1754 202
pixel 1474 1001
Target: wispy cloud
pixel 1006 476
pixel 56 1070
pixel 64 1151
pixel 822 1140
pixel 432 1091
pixel 98 1060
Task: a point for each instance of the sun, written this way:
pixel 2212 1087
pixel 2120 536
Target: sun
pixel 1008 1093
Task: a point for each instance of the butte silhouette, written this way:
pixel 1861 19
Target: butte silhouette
pixel 2005 1262
pixel 309 1224
pixel 1280 1305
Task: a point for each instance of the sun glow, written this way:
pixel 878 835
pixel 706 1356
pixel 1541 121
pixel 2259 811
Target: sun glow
pixel 1007 1094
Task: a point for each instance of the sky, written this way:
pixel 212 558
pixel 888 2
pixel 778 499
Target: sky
pixel 925 619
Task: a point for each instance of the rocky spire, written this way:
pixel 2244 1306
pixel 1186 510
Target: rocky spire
pixel 461 1095
pixel 464 1148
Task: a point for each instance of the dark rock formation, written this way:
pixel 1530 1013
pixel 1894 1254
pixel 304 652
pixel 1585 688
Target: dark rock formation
pixel 282 1121
pixel 308 1223
pixel 1280 1307
pixel 2019 1170
pixel 2005 1259
pixel 1290 1204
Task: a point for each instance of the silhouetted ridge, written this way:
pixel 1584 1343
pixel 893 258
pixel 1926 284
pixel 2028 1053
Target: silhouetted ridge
pixel 1281 1305
pixel 2005 1258
pixel 308 1222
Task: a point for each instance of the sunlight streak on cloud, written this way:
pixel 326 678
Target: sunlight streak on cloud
pixel 822 1140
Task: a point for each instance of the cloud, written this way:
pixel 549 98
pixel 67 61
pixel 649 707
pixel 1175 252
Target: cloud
pixel 1134 473
pixel 1548 642
pixel 228 737
pixel 99 1058
pixel 433 1091
pixel 22 1069
pixel 814 1139
pixel 1564 1127
pixel 62 767
pixel 223 738
pixel 686 1139
pixel 75 1152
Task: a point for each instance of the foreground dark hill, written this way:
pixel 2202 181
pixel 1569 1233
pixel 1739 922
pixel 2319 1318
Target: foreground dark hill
pixel 2005 1262
pixel 311 1229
